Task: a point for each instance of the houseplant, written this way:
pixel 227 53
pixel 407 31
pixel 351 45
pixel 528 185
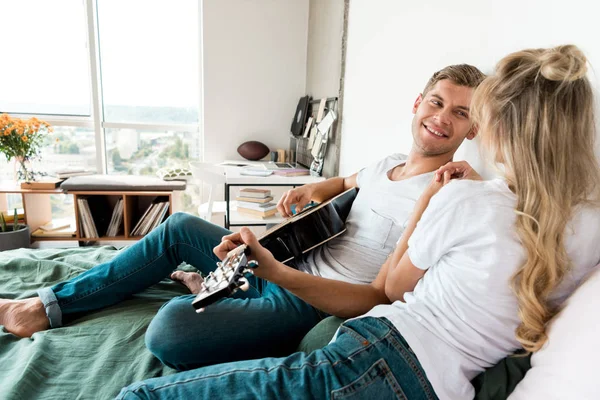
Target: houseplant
pixel 13 236
pixel 22 140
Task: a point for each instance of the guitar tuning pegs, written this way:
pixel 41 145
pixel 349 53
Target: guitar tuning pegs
pixel 219 264
pixel 252 264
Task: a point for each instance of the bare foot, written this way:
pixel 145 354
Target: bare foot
pixel 192 280
pixel 23 318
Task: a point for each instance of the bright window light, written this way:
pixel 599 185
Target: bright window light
pixel 149 70
pixel 44 67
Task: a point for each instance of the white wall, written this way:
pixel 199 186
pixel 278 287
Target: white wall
pixel 395 46
pixel 324 60
pixel 254 72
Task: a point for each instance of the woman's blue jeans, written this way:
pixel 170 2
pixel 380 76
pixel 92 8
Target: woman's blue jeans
pixel 265 321
pixel 368 360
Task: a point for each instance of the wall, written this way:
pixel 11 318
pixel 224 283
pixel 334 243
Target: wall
pixel 394 47
pixel 325 60
pixel 254 72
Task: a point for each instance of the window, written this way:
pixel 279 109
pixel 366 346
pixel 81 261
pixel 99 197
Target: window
pixel 119 81
pixel 45 63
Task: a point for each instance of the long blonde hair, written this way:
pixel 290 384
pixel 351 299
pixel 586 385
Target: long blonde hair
pixel 536 117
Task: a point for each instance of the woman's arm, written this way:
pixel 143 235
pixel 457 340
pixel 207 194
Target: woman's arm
pixel 403 275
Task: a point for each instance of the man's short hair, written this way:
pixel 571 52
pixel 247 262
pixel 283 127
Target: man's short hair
pixel 459 74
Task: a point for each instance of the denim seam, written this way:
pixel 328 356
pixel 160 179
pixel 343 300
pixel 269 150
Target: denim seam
pixel 403 352
pixel 353 333
pixel 384 371
pixel 89 293
pixel 220 375
pixel 419 373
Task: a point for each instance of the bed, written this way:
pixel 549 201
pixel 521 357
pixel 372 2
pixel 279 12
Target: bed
pixel 97 354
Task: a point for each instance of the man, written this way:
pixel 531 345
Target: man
pixel 268 320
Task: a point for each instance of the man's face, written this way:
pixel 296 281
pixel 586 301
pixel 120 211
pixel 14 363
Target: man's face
pixel 441 120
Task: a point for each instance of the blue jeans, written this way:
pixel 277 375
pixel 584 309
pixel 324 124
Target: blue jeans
pixel 369 360
pixel 265 321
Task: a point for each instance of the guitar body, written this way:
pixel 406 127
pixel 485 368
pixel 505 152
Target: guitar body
pixel 310 228
pixel 287 241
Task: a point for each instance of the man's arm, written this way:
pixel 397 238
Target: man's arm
pixel 320 191
pixel 338 298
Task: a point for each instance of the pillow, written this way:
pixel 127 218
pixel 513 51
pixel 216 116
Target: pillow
pixel 320 335
pixel 566 366
pixel 120 183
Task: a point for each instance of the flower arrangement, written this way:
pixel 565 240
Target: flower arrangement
pixel 22 140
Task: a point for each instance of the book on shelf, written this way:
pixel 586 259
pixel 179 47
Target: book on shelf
pixel 86 220
pixel 9 215
pixel 116 221
pixel 255 193
pixel 152 217
pixel 57 224
pixel 256 206
pixel 257 213
pixel 136 228
pixel 256 209
pixel 43 184
pixel 292 172
pixel 161 216
pixel 254 200
pixel 68 231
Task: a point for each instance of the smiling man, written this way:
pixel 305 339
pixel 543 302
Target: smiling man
pixel 274 315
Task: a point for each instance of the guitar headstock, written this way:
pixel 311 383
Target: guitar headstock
pixel 225 280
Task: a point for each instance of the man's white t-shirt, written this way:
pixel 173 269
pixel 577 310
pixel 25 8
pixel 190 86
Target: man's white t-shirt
pixel 376 221
pixel 462 315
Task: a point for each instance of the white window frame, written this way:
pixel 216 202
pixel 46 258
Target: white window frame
pixel 96 120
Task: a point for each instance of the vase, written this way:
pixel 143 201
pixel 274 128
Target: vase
pixel 11 239
pixel 22 170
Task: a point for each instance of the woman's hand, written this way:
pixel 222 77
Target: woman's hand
pixel 267 265
pixel 435 185
pixel 458 170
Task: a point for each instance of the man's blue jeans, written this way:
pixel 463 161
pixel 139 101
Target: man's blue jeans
pixel 369 360
pixel 265 321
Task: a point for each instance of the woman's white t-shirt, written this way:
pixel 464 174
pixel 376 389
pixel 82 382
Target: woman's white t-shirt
pixel 462 315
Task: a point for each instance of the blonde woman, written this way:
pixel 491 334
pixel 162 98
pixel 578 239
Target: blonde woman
pixel 479 276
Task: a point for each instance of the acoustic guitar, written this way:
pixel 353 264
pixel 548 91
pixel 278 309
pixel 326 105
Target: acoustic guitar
pixel 287 241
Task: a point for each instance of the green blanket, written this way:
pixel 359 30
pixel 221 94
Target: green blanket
pixel 92 357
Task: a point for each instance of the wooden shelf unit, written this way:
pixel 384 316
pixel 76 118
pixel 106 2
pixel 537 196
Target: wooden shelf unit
pixel 36 204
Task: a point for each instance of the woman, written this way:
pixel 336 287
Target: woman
pixel 480 276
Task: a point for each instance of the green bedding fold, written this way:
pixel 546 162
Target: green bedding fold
pixel 92 357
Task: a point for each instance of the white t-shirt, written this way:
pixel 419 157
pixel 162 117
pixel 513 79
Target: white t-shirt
pixel 462 315
pixel 376 221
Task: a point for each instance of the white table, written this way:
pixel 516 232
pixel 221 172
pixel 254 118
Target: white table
pixel 233 177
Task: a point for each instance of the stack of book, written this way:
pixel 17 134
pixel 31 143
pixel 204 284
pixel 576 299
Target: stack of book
pixel 292 172
pixel 64 227
pixel 256 202
pixel 116 221
pixel 152 217
pixel 86 221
